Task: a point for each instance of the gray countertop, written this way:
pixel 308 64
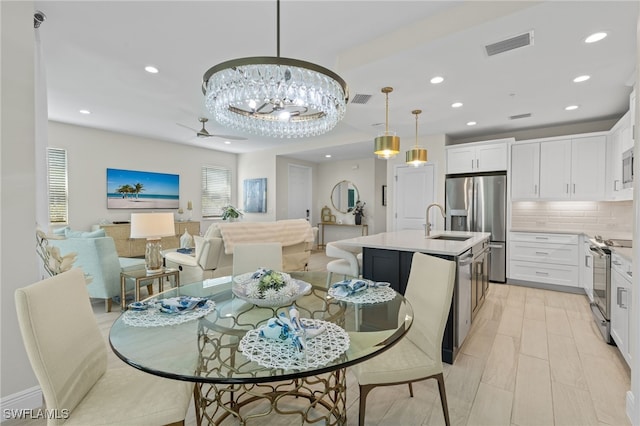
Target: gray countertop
pixel 415 241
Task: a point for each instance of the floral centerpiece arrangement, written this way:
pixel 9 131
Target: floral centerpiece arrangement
pixel 358 211
pixel 230 212
pixel 270 285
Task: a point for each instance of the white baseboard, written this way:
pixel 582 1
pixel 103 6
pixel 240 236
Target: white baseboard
pixel 631 409
pixel 25 400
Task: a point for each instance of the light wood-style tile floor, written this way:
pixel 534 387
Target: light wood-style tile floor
pixel 532 357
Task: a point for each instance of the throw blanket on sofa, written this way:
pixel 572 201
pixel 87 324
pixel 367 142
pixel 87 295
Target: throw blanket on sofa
pixel 286 232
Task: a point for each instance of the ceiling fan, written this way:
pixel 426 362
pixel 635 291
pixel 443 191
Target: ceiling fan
pixel 203 133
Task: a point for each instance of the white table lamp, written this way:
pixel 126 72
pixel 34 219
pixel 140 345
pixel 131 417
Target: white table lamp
pixel 152 226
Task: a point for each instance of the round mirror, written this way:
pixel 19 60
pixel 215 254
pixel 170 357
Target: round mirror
pixel 344 196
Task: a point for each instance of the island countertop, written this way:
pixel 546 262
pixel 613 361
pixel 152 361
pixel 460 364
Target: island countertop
pixel 415 241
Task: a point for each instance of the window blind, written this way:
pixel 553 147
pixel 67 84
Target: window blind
pixel 216 190
pixel 57 183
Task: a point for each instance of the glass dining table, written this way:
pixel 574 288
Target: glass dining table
pixel 239 373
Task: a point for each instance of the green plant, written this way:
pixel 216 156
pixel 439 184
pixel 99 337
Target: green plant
pixel 230 212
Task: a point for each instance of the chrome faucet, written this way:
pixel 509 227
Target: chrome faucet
pixel 427 228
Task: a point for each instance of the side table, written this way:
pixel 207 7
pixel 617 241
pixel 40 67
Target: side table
pixel 141 275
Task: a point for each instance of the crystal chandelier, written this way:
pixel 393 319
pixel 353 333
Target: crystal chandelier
pixel 416 156
pixel 274 96
pixel 387 145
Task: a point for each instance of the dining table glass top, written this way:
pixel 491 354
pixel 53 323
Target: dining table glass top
pixel 208 349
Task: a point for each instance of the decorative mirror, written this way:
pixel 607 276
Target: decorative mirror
pixel 344 196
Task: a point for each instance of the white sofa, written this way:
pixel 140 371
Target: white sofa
pixel 213 254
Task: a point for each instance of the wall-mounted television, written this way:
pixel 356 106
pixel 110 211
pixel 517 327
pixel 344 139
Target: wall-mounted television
pixel 131 189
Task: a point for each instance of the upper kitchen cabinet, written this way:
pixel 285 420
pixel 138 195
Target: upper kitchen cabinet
pixel 525 171
pixel 619 140
pixel 570 168
pixel 478 157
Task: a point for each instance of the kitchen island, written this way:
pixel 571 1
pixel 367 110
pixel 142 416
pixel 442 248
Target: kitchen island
pixel 387 257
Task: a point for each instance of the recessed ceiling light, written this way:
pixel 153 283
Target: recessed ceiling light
pixel 84 111
pixel 471 123
pixel 456 105
pixel 437 80
pixel 327 156
pixel 227 142
pixel 151 69
pixel 595 37
pixel 571 107
pixel 581 78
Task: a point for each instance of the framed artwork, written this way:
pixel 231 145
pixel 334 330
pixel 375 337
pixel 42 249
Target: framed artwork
pixel 255 195
pixel 133 189
pixel 384 195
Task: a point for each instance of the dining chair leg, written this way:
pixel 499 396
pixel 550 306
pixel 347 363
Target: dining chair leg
pixel 364 391
pixel 107 304
pixel 443 397
pixel 410 390
pixel 329 275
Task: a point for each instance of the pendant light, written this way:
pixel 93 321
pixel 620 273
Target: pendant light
pixel 416 156
pixel 387 145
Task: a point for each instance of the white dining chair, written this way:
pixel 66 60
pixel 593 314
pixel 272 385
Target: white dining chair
pixel 418 356
pixel 68 355
pixel 347 264
pixel 250 257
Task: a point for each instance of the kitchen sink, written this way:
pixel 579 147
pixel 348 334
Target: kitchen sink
pixel 449 237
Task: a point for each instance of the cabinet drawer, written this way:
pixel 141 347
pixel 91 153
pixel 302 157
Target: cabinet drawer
pixel 563 254
pixel 545 238
pixel 545 273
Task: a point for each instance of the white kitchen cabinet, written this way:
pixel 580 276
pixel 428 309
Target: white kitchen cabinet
pixel 586 268
pixel 632 118
pixel 555 169
pixel 621 292
pixel 525 171
pixel 618 140
pixel 545 258
pixel 477 157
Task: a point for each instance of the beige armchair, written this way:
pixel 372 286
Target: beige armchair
pixel 418 356
pixel 68 355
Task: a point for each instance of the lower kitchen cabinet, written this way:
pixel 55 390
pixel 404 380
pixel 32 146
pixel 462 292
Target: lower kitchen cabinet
pixel 545 258
pixel 621 292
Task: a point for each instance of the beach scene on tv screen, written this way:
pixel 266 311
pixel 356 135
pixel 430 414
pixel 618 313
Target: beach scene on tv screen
pixel 130 189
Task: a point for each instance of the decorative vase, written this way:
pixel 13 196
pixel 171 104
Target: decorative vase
pixel 186 240
pixel 358 219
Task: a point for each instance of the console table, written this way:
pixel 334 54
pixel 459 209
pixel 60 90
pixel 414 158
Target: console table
pixel 129 247
pixel 321 244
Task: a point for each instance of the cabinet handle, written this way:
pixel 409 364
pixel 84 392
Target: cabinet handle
pixel 567 190
pixel 542 238
pixel 535 189
pixel 615 262
pixel 542 253
pixel 623 305
pixel 615 185
pixel 542 273
pixel 618 297
pixel 574 188
pixel 472 164
pixel 478 163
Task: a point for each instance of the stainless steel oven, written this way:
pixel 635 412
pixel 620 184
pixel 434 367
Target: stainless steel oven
pixel 601 287
pixel 627 168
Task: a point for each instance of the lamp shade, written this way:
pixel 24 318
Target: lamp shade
pixel 152 225
pixel 387 146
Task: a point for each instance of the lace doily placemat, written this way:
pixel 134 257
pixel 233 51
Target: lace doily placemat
pixel 319 351
pixel 152 317
pixel 370 295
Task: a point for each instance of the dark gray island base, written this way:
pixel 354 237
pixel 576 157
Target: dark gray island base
pixel 387 257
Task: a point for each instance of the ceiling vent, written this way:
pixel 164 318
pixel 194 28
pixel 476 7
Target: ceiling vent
pixel 521 40
pixel 360 99
pixel 516 117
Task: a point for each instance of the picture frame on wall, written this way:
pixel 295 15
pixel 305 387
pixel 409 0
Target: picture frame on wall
pixel 255 195
pixel 384 195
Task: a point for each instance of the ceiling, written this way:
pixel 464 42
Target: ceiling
pixel 95 53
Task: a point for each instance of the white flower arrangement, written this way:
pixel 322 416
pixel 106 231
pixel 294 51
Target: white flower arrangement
pixel 270 285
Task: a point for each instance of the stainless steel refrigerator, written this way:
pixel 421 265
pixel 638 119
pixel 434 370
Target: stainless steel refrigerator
pixel 478 203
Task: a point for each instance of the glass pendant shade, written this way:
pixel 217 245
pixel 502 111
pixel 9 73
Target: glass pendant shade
pixel 416 156
pixel 387 145
pixel 274 96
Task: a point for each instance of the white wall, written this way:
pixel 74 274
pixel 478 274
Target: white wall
pixel 91 151
pixel 18 259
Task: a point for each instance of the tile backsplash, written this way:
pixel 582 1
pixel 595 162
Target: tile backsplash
pixel 582 216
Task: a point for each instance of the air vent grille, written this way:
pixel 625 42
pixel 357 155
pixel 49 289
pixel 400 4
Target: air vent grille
pixel 516 117
pixel 360 99
pixel 521 40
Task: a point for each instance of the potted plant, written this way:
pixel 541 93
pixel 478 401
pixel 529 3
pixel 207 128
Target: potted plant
pixel 230 212
pixel 358 211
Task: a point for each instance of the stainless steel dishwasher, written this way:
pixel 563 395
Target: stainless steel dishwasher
pixel 463 296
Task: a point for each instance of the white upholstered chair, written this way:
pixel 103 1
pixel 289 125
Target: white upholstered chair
pixel 349 263
pixel 68 355
pixel 418 356
pixel 250 257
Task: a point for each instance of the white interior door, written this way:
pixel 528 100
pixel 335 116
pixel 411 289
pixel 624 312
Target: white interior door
pixel 299 192
pixel 415 189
